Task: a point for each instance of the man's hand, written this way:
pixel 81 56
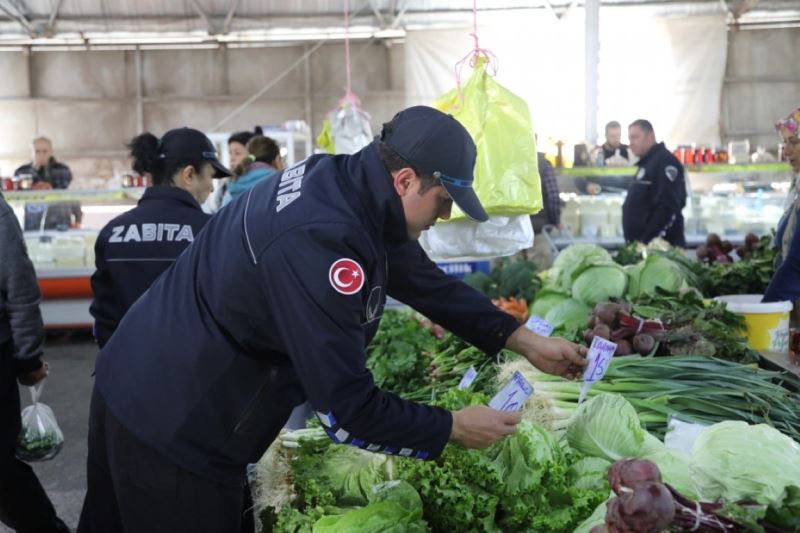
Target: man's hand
pixel 480 426
pixel 41 185
pixel 549 354
pixel 32 378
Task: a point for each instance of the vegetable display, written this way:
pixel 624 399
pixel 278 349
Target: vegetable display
pixel 750 275
pixel 600 465
pixel 721 486
pixel 692 388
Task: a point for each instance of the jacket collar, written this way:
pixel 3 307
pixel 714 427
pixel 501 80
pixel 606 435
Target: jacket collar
pixel 651 152
pixel 166 192
pixel 379 205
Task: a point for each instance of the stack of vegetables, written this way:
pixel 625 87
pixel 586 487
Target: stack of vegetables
pixel 408 359
pixel 509 279
pixel 584 275
pixel 527 482
pixel 734 477
pixel 693 388
pixel 750 275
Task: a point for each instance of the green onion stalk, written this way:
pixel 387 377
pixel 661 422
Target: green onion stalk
pixel 692 388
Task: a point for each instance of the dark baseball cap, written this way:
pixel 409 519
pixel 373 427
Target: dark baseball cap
pixel 436 144
pixel 191 143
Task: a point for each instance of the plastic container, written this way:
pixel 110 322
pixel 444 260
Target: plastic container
pixel 767 323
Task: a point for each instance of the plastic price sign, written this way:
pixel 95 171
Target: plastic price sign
pixel 600 353
pixel 539 326
pixel 513 395
pixel 468 378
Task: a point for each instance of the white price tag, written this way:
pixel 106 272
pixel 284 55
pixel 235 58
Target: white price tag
pixel 599 357
pixel 468 378
pixel 539 326
pixel 513 395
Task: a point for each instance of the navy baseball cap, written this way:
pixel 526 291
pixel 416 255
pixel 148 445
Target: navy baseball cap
pixel 191 143
pixel 436 144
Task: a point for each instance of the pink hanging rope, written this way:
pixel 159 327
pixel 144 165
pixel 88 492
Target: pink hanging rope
pixel 475 55
pixel 349 97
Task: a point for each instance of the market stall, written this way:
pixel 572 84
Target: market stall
pixel 683 393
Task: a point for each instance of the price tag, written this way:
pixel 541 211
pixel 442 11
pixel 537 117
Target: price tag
pixel 513 395
pixel 599 357
pixel 468 378
pixel 539 326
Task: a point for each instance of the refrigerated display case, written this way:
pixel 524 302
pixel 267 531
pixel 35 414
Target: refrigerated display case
pixel 730 200
pixel 60 229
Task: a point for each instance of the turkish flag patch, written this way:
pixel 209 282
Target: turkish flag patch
pixel 346 276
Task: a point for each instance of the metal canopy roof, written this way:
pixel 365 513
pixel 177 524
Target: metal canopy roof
pixel 44 23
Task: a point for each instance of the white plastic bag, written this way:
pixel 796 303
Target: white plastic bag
pixel 466 239
pixel 682 435
pixel 40 438
pixel 350 128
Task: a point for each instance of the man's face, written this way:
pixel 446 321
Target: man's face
pixel 42 151
pixel 423 210
pixel 640 142
pixel 613 136
pixel 791 148
pixel 236 153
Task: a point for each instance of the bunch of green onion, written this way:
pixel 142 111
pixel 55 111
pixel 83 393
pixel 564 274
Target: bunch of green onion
pixel 691 388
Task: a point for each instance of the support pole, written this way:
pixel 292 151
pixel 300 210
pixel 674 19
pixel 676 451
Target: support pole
pixel 592 59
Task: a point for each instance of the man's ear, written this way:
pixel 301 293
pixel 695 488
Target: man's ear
pixel 403 180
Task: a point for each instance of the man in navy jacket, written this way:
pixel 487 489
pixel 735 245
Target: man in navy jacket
pixel 273 305
pixel 657 196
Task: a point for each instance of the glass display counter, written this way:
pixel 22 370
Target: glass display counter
pixel 60 229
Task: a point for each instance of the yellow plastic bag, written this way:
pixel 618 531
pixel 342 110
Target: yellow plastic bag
pixel 325 138
pixel 506 172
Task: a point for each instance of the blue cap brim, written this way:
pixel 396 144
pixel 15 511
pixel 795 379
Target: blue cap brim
pixel 466 200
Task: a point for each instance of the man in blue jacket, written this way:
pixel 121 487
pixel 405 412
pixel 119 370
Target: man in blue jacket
pixel 656 198
pixel 273 305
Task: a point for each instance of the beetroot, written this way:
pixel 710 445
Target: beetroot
pixel 592 322
pixel 644 343
pixel 626 474
pixel 742 251
pixel 606 312
pixel 602 331
pixel 624 347
pixel 588 336
pixel 649 508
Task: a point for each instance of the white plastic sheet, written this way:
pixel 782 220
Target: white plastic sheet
pixel 467 239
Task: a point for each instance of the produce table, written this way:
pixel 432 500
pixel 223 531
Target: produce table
pixel 782 361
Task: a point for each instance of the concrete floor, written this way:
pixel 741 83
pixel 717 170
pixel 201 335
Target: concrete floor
pixel 67 392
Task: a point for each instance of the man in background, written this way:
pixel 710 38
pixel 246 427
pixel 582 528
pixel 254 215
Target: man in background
pixel 613 146
pixel 658 194
pixel 46 172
